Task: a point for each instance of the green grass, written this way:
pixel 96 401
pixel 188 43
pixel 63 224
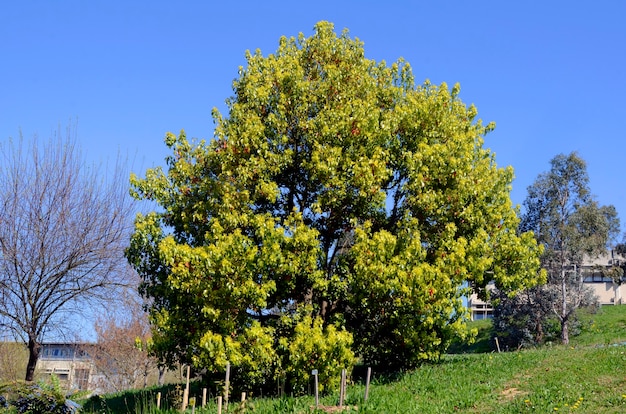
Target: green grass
pixel 482 343
pixel 588 376
pixel 608 326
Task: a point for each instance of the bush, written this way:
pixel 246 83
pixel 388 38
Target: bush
pixel 527 319
pixel 39 398
pixel 314 346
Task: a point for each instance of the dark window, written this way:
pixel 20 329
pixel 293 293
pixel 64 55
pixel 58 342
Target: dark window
pixel 81 378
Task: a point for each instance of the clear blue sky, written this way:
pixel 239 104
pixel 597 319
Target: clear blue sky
pixel 552 75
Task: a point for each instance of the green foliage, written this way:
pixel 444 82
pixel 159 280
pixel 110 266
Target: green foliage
pixel 314 346
pixel 44 397
pixel 339 200
pixel 573 229
pixel 524 320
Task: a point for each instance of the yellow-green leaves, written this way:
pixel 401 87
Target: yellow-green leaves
pixel 313 346
pixel 336 195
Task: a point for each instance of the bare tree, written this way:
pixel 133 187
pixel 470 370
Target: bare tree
pixel 122 351
pixel 63 228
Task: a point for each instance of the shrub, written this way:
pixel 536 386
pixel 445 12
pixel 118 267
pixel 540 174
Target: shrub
pixel 313 346
pixel 39 398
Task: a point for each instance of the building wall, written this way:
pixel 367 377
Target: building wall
pixel 69 362
pixel 607 291
pixel 479 309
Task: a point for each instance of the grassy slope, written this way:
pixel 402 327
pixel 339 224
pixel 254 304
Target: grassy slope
pixel 13 360
pixel 589 377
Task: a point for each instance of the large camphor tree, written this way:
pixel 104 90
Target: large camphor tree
pixel 340 210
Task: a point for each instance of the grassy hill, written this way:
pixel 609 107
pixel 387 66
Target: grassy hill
pixel 589 376
pixel 13 360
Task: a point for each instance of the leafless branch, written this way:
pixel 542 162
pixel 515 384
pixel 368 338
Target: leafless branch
pixel 63 229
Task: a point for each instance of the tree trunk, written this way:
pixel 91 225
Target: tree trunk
pixel 145 378
pixel 161 379
pixel 33 356
pixel 565 331
pixel 564 313
pixel 539 330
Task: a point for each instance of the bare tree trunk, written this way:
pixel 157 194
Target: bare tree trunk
pixel 33 356
pixel 564 315
pixel 146 372
pixel 539 329
pixel 161 380
pixel 565 331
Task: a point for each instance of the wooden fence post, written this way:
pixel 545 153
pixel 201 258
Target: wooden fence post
pixel 186 392
pixel 342 389
pixel 367 382
pixel 226 386
pixel 317 398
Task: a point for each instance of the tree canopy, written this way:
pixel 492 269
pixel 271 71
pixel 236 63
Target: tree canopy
pixel 340 206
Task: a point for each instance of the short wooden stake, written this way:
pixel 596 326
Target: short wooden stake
pixel 219 405
pixel 498 344
pixel 186 392
pixel 317 397
pixel 203 397
pixel 367 382
pixel 226 386
pixel 342 389
pixel 158 400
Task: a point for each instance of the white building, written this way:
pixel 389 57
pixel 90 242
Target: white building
pixel 69 362
pixel 605 288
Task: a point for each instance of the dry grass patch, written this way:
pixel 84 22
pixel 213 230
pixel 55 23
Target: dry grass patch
pixel 509 394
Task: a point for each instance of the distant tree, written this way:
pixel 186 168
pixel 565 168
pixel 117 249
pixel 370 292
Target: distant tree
pixel 121 353
pixel 522 320
pixel 62 233
pixel 572 227
pixel 339 202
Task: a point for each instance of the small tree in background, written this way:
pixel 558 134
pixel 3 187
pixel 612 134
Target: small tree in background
pixel 573 228
pixel 63 230
pixel 121 354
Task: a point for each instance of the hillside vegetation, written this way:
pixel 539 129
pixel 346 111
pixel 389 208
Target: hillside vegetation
pixel 13 360
pixel 586 376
